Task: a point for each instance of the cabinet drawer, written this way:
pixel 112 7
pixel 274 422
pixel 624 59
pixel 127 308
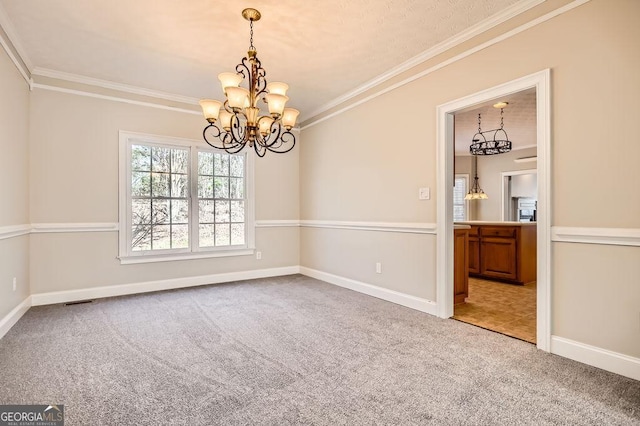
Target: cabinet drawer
pixel 473 232
pixel 498 231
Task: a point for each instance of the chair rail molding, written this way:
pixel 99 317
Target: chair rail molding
pixel 605 236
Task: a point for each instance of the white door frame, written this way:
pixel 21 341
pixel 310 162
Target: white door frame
pixel 445 151
pixel 512 173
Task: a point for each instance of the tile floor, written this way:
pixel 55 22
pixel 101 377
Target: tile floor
pixel 506 308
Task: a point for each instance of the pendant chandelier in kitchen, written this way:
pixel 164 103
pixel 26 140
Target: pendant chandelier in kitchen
pixel 498 142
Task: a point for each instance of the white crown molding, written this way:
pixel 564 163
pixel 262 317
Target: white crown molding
pixel 112 98
pixel 14 231
pixel 412 228
pixel 277 223
pixel 440 65
pixel 604 236
pixel 106 84
pixel 12 317
pixel 10 43
pixel 43 228
pixel 439 48
pixel 597 357
pixel 38 299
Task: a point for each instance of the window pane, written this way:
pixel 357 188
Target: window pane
pixel 179 160
pixel 237 188
pixel 140 184
pixel 141 212
pixel 206 211
pixel 179 211
pixel 160 211
pixel 223 237
pixel 221 164
pixel 140 158
pixel 237 211
pixel 221 187
pixel 205 163
pixel 179 186
pixel 237 234
pixel 207 236
pixel 180 236
pixel 159 185
pixel 237 165
pixel 160 159
pixel 222 212
pixel 141 238
pixel 161 239
pixel 205 187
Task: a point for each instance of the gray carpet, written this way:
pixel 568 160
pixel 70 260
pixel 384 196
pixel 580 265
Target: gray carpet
pixel 292 350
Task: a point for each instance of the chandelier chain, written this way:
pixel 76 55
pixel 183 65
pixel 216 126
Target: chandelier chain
pixel 501 118
pixel 479 129
pixel 251 46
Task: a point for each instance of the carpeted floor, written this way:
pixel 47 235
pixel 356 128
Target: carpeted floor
pixel 292 350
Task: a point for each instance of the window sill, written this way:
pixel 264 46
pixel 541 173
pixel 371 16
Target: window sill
pixel 130 260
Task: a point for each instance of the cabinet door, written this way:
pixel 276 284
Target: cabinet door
pixel 460 266
pixel 474 254
pixel 499 258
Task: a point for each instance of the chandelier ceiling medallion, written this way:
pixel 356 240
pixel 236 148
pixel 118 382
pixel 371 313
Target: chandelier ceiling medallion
pixel 499 142
pixel 239 118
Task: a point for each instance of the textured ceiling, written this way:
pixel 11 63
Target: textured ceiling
pixel 519 121
pixel 322 49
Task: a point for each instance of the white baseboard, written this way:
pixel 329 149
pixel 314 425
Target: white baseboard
pixel 417 303
pixel 597 357
pixel 149 286
pixel 12 317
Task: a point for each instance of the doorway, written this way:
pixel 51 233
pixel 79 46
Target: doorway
pixel 445 241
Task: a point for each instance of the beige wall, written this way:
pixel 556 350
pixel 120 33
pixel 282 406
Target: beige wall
pixel 356 169
pixel 74 179
pixel 490 169
pixel 14 190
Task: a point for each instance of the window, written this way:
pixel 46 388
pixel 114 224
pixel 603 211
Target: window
pixel 461 182
pixel 180 200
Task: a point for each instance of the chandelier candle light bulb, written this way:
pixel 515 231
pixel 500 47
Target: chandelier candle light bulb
pixel 239 119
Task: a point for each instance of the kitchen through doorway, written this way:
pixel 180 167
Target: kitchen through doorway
pixel 495 242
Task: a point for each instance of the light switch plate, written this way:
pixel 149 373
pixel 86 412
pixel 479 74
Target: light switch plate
pixel 424 193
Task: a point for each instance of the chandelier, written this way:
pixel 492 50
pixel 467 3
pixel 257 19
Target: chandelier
pixel 476 193
pixel 481 146
pixel 239 119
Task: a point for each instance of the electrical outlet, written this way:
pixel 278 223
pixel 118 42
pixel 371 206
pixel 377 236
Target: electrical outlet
pixel 14 283
pixel 378 267
pixel 258 255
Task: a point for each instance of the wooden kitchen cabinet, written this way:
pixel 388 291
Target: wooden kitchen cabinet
pixel 460 265
pixel 504 252
pixel 474 250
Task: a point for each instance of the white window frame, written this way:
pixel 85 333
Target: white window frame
pixel 126 254
pixel 464 176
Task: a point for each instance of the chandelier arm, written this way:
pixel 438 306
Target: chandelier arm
pixel 260 76
pixel 238 131
pixel 215 133
pixel 259 149
pixel 244 69
pixel 285 138
pixel 274 135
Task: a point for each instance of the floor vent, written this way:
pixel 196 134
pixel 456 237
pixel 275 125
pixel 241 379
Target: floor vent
pixel 78 302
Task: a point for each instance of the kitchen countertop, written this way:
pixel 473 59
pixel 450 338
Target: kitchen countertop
pixel 461 226
pixel 494 223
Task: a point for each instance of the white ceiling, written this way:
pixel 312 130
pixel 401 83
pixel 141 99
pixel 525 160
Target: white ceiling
pixel 519 121
pixel 322 49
